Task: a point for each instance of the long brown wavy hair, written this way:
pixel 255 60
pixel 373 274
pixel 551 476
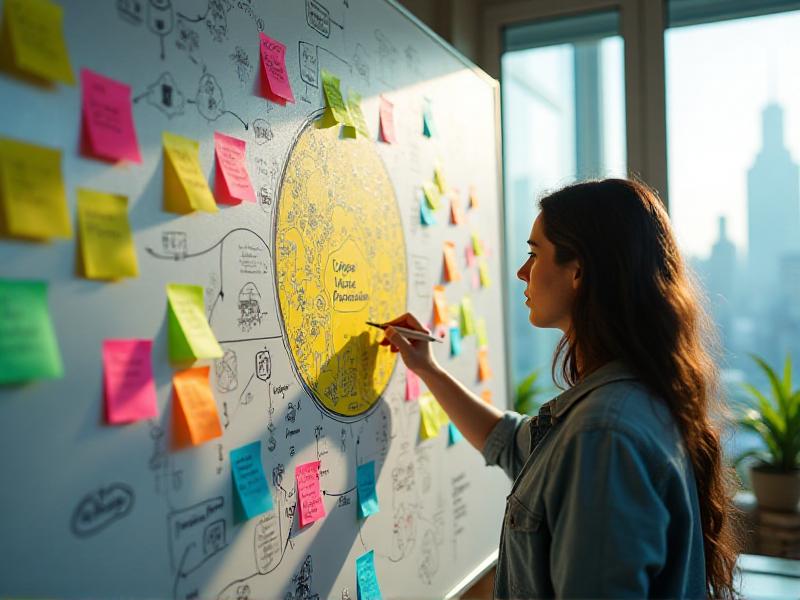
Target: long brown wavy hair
pixel 638 302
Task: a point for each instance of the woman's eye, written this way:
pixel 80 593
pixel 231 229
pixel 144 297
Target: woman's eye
pixel 533 254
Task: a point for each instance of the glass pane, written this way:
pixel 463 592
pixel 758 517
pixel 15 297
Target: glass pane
pixel 733 114
pixel 563 118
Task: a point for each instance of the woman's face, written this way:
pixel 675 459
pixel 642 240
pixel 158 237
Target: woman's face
pixel 550 288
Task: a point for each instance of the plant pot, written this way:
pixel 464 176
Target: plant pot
pixel 776 490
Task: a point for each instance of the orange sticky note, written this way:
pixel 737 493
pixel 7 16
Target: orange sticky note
pixel 486 395
pixel 441 314
pixel 196 416
pixel 484 370
pixel 473 197
pixel 273 61
pixel 456 213
pixel 130 392
pixel 387 121
pixel 232 183
pixel 451 272
pixel 309 496
pixel 32 41
pixel 107 129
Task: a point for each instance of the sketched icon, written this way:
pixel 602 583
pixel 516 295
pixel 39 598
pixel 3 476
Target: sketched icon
pixel 226 371
pixel 263 365
pixel 165 96
pixel 249 307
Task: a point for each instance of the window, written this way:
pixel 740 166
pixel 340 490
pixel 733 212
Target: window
pixel 733 133
pixel 563 118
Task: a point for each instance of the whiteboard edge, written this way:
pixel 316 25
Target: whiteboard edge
pixel 473 576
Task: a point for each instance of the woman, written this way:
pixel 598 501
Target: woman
pixel 619 484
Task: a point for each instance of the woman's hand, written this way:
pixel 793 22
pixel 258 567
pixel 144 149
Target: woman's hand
pixel 416 354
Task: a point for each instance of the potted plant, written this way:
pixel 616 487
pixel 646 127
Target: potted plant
pixel 526 394
pixel 775 474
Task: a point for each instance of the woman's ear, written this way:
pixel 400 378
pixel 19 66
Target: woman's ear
pixel 576 276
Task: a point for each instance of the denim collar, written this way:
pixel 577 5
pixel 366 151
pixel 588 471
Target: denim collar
pixel 616 370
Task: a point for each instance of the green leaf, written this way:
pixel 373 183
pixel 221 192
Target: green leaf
pixel 778 391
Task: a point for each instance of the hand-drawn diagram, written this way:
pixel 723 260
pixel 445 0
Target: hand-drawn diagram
pixel 302 581
pixel 319 18
pixel 209 100
pixel 100 508
pixel 387 55
pixel 159 14
pixel 308 56
pixel 244 68
pixel 249 307
pixel 226 370
pixel 340 262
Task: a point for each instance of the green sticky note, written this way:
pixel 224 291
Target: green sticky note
pixel 354 108
pixel 467 318
pixel 190 335
pixel 431 194
pixel 28 347
pixel 333 96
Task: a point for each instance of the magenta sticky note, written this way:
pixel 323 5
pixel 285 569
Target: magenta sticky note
pixel 309 495
pixel 470 255
pixel 232 184
pixel 107 132
pixel 273 59
pixel 130 391
pixel 387 121
pixel 412 386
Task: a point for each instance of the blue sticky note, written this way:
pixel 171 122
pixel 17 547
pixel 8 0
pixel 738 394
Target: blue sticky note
pixel 366 578
pixel 455 435
pixel 427 119
pixel 249 483
pixel 426 215
pixel 367 497
pixel 455 340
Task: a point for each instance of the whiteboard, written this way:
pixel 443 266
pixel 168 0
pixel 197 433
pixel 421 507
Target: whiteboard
pixel 93 510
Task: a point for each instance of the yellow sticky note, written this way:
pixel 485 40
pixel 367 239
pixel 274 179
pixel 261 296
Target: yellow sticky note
pixel 195 411
pixel 430 413
pixel 439 180
pixel 32 196
pixel 185 186
pixel 190 335
pixel 357 114
pixel 483 270
pixel 106 243
pixel 431 194
pixel 32 40
pixel 477 247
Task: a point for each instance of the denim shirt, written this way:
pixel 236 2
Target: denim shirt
pixel 606 504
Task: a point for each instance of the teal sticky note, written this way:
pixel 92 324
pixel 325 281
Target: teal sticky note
pixel 426 213
pixel 455 435
pixel 367 497
pixel 455 340
pixel 28 347
pixel 427 119
pixel 366 578
pixel 249 484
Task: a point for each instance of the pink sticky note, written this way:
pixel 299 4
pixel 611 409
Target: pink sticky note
pixel 308 493
pixel 412 386
pixel 273 59
pixel 476 280
pixel 232 184
pixel 130 391
pixel 387 121
pixel 107 130
pixel 470 255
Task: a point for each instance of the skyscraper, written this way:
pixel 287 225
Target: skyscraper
pixel 773 209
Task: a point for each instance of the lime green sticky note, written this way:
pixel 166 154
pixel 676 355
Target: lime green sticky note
pixel 28 347
pixel 431 194
pixel 354 108
pixel 467 318
pixel 483 337
pixel 190 335
pixel 429 421
pixel 438 178
pixel 333 96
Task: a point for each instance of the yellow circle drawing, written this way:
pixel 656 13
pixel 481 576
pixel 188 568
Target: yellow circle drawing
pixel 340 261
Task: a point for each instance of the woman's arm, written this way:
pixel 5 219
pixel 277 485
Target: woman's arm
pixel 474 418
